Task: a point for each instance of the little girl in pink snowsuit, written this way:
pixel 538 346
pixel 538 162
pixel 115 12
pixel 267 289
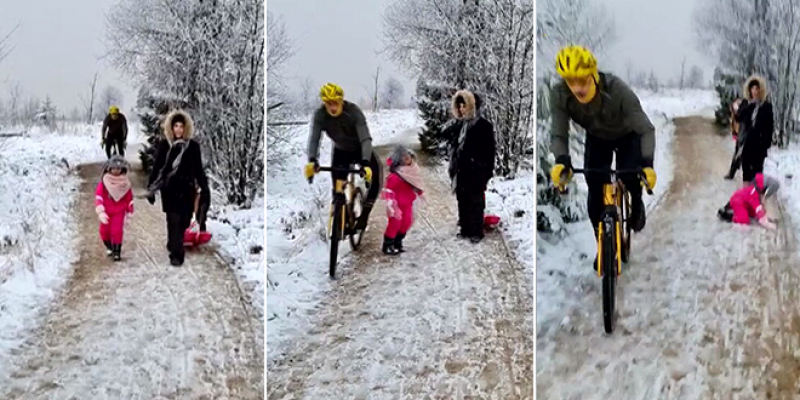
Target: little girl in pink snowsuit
pixel 403 185
pixel 747 202
pixel 113 202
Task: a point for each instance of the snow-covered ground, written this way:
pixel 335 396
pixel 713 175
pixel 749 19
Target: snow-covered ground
pixel 556 283
pixel 297 258
pixel 37 191
pixel 38 187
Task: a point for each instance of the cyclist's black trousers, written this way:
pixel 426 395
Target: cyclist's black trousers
pixel 343 159
pixel 598 155
pixel 112 142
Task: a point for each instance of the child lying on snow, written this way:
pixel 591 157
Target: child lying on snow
pixel 403 185
pixel 113 202
pixel 747 202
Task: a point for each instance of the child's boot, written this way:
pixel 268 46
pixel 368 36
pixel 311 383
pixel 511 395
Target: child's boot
pixel 398 242
pixel 117 252
pixel 109 248
pixel 388 247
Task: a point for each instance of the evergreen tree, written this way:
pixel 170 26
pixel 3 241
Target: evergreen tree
pixel 433 102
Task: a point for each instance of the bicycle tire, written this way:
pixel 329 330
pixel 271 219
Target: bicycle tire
pixel 356 236
pixel 626 227
pixel 336 234
pixel 609 276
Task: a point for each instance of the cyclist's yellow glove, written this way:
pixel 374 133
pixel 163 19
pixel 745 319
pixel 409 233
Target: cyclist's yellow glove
pixel 309 169
pixel 368 174
pixel 650 177
pixel 557 175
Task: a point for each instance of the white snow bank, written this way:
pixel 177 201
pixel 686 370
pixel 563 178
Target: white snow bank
pixel 37 228
pixel 297 255
pixel 563 263
pixel 783 164
pixel 513 201
pixel 240 235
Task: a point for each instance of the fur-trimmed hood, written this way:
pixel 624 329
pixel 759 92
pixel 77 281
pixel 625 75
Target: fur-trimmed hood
pixel 188 130
pixel 469 99
pixel 762 83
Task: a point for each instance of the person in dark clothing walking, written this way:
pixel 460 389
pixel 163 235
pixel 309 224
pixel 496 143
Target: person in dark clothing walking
pixel 178 174
pixel 757 124
pixel 115 132
pixel 736 132
pixel 472 158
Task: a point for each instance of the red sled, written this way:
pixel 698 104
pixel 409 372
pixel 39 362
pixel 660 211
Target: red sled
pixel 491 221
pixel 194 237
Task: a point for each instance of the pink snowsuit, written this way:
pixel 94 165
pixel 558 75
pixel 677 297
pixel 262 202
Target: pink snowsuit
pixel 117 211
pixel 401 211
pixel 746 202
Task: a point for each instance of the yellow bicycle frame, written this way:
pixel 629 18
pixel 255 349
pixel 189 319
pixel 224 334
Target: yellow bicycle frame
pixel 338 188
pixel 612 196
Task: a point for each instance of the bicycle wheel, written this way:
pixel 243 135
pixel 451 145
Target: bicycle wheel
pixel 336 235
pixel 626 227
pixel 356 208
pixel 609 265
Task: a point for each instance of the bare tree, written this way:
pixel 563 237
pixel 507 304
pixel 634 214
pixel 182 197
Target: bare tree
pixel 695 79
pixel 14 103
pixel 209 54
pixel 279 50
pixel 308 96
pixel 373 92
pixel 683 72
pixel 652 82
pixel 88 104
pixel 392 93
pixel 110 96
pixel 5 44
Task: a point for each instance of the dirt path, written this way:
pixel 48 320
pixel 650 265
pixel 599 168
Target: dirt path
pixel 445 320
pixel 706 310
pixel 141 329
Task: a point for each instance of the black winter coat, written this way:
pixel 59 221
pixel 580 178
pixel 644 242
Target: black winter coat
pixel 178 192
pixel 759 134
pixel 473 166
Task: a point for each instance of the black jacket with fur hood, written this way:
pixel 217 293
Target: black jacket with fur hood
pixel 178 181
pixel 471 162
pixel 758 131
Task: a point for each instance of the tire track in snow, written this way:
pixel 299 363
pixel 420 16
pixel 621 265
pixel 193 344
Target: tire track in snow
pixel 426 324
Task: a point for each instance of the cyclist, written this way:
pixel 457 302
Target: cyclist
pixel 346 125
pixel 614 121
pixel 115 131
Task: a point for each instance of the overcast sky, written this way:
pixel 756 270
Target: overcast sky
pixel 655 34
pixel 58 47
pixel 337 41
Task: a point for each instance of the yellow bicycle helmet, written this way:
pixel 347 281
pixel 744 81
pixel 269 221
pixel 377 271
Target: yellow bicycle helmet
pixel 331 92
pixel 113 110
pixel 576 62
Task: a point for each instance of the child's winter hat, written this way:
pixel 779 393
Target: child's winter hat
pixel 396 159
pixel 766 185
pixel 116 161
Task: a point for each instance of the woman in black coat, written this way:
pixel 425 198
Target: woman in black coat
pixel 472 157
pixel 178 174
pixel 757 124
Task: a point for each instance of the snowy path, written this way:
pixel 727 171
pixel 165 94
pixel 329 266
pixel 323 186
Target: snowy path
pixel 706 310
pixel 141 329
pixel 445 320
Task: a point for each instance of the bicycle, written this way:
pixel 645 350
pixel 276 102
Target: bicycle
pixel 613 235
pixel 346 208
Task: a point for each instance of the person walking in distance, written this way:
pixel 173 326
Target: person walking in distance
pixel 115 132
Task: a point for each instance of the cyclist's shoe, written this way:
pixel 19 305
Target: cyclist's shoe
pixel 638 219
pixel 389 247
pixel 398 242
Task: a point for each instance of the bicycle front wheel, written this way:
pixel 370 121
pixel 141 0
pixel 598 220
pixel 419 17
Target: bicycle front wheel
pixel 609 266
pixel 336 236
pixel 355 213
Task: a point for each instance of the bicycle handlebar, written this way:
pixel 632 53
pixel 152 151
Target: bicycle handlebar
pixel 609 171
pixel 337 169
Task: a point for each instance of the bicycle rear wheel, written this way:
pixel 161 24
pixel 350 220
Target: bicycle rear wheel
pixel 609 270
pixel 355 214
pixel 336 236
